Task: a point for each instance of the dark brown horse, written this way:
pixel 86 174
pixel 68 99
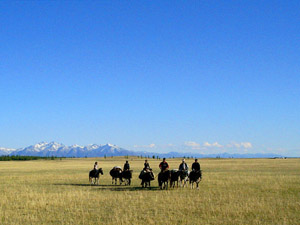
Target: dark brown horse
pixel 116 173
pixel 127 175
pixel 195 177
pixel 163 179
pixel 174 178
pixel 146 176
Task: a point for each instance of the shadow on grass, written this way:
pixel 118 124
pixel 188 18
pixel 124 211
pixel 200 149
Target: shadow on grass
pixel 87 185
pixel 113 187
pixel 129 188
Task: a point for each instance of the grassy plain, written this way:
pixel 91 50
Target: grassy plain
pixel 233 191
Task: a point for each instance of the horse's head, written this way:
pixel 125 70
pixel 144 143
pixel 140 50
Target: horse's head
pixel 100 171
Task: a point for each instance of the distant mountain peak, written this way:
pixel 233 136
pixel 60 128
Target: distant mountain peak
pixel 111 145
pixel 76 146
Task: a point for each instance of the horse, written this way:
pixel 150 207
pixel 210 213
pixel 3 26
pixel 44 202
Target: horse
pixel 116 173
pixel 146 176
pixel 195 177
pixel 174 178
pixel 127 175
pixel 95 174
pixel 183 177
pixel 163 179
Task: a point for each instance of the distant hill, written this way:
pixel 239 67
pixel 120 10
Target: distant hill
pixel 45 149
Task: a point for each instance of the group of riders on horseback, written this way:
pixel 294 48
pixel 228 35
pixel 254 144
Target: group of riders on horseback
pixel 147 175
pixel 164 166
pixel 183 173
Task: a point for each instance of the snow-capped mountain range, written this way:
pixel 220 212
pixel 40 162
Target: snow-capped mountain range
pixel 45 149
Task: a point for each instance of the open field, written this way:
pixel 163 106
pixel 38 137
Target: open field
pixel 233 191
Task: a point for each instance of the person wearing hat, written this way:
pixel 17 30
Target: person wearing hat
pixel 164 165
pixel 183 166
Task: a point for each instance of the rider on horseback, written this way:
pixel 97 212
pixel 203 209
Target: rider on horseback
pixel 196 167
pixel 146 165
pixel 145 170
pixel 126 166
pixel 183 166
pixel 164 165
pixel 96 166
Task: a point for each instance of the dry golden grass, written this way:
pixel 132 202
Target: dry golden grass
pixel 233 191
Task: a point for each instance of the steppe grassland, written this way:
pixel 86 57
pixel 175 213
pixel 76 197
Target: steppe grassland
pixel 233 191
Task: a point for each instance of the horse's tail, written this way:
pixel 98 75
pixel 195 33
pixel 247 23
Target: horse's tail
pixel 90 177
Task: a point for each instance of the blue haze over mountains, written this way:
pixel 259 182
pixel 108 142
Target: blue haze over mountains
pixel 45 149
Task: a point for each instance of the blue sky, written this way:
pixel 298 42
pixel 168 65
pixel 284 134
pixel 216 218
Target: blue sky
pixel 197 76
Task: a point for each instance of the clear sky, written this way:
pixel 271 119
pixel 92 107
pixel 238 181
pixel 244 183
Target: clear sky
pixel 197 76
